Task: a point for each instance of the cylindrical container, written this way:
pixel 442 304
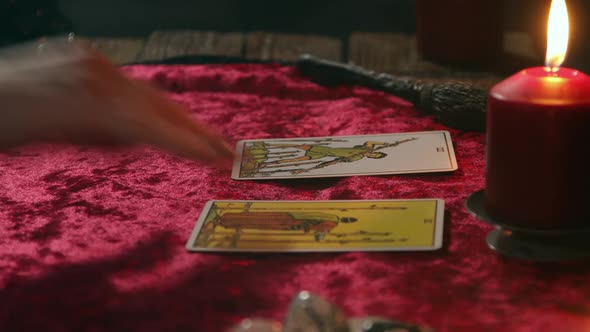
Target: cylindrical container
pixel 462 32
pixel 538 149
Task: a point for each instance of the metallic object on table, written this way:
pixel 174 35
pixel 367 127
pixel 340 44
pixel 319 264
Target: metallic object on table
pixel 257 325
pixel 456 104
pixel 377 324
pixel 310 313
pixel 529 243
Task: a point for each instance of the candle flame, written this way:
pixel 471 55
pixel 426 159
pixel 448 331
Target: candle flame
pixel 557 35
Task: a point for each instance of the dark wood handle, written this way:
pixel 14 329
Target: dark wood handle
pixel 458 105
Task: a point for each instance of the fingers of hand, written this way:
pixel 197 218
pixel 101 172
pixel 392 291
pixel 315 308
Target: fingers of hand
pixel 145 115
pixel 126 111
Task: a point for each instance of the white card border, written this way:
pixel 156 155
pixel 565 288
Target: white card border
pixel 237 164
pixel 437 243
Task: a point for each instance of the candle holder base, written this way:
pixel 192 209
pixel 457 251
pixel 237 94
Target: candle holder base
pixel 534 244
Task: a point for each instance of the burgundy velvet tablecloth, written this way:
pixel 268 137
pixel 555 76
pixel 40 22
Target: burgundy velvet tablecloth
pixel 93 240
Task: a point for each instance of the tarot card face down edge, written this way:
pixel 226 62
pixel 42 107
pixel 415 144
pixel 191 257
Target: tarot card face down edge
pixel 420 152
pixel 318 226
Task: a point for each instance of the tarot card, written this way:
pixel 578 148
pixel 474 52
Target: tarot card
pixel 420 152
pixel 317 226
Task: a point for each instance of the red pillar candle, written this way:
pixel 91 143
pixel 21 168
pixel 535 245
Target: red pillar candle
pixel 538 149
pixel 538 141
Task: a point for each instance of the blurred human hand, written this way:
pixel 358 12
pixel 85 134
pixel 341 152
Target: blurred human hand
pixel 65 91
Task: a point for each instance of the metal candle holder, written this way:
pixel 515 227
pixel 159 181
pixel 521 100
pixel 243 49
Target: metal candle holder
pixel 536 244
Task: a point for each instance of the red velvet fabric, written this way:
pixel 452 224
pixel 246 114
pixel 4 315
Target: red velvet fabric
pixel 93 239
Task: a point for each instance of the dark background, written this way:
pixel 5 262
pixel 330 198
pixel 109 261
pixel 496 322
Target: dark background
pixel 140 17
pixel 27 19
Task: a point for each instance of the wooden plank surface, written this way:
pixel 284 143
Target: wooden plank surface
pixel 394 53
pixel 118 50
pixel 173 43
pixel 388 52
pixel 286 47
pixel 521 44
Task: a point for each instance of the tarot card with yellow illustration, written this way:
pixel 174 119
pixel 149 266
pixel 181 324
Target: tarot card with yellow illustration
pixel 419 152
pixel 319 226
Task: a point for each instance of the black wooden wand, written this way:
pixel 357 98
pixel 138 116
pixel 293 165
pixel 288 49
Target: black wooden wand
pixel 456 104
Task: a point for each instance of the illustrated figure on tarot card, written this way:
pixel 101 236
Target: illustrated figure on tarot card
pixel 315 151
pixel 296 157
pixel 317 223
pixel 230 225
